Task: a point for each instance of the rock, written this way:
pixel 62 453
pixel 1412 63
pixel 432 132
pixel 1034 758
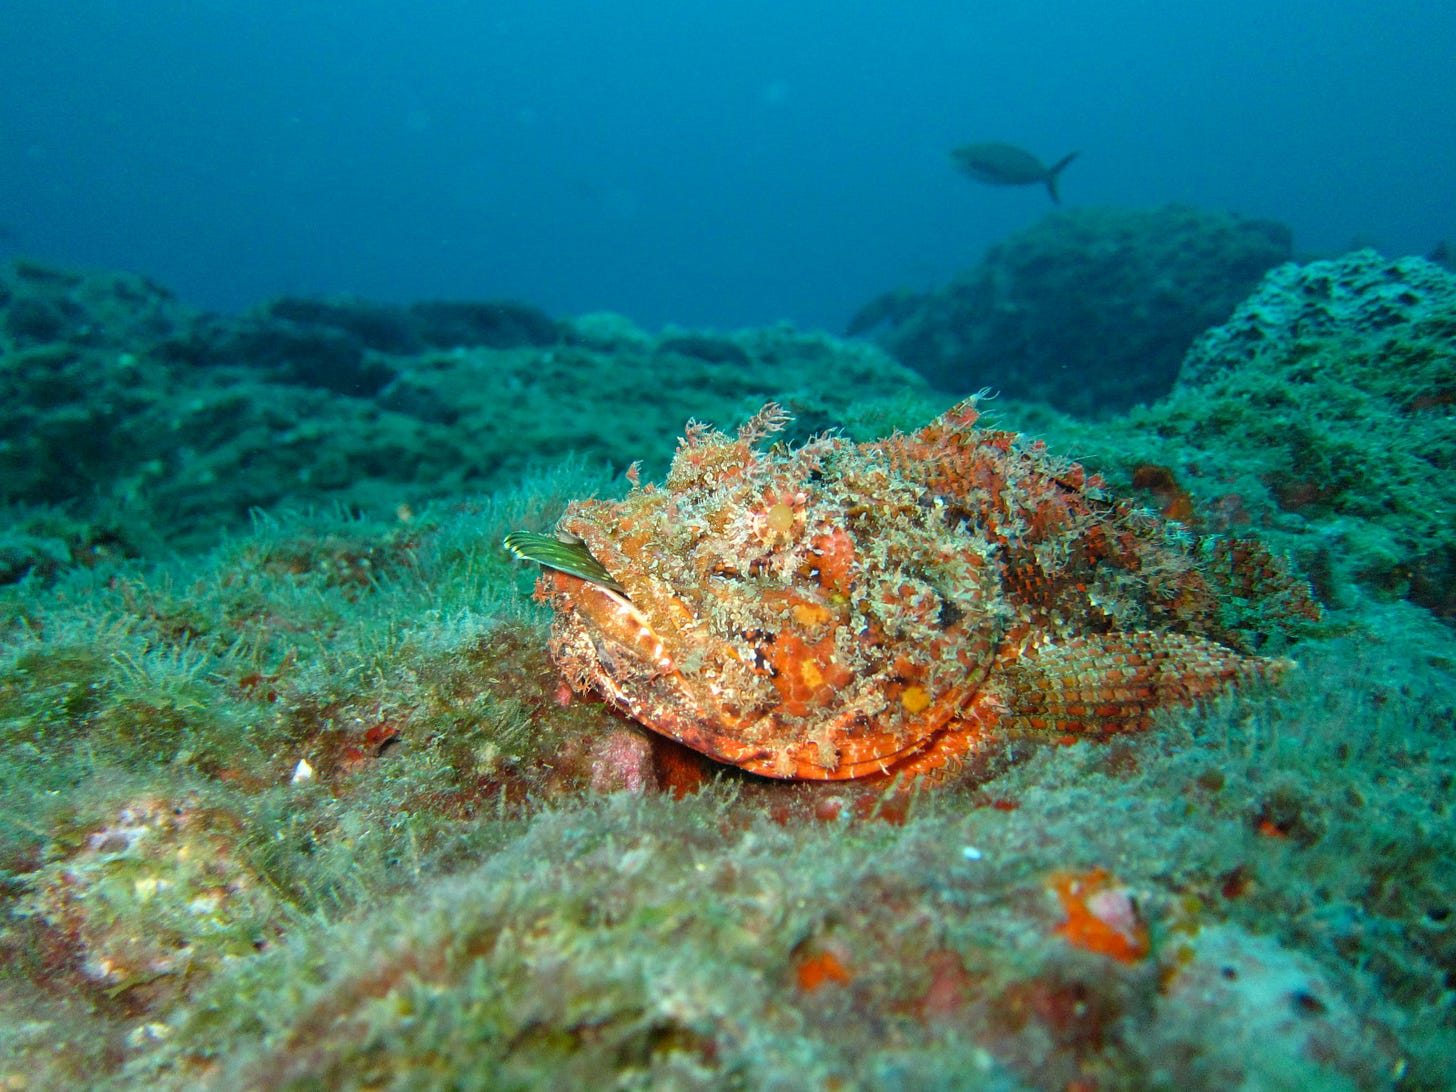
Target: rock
pixel 1090 310
pixel 1359 293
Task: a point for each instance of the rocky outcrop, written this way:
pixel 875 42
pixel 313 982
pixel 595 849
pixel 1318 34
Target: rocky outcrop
pixel 1090 310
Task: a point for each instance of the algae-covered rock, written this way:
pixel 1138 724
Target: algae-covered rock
pixel 1356 294
pixel 1089 310
pixel 640 941
pixel 179 425
pixel 42 304
pixel 311 807
pixel 152 895
pixel 1319 417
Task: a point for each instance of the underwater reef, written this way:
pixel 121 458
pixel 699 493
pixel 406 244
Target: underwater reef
pixel 135 416
pixel 1089 310
pixel 294 796
pixel 1320 416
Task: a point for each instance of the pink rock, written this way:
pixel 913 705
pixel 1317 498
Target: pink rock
pixel 621 761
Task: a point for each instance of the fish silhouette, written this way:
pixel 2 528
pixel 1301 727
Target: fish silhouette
pixel 1008 165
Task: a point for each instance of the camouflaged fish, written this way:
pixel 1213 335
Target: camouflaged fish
pixel 839 610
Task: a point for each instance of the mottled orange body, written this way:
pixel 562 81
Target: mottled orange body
pixel 839 610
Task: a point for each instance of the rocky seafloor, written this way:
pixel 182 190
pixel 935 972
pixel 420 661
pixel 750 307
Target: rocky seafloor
pixel 292 797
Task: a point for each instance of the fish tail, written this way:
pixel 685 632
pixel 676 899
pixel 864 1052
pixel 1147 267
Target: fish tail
pixel 1051 178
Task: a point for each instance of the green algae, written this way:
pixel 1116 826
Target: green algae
pixel 443 908
pixel 1336 449
pixel 308 809
pixel 652 940
pixel 134 412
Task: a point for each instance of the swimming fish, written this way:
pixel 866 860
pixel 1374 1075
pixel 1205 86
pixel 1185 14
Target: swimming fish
pixel 1007 165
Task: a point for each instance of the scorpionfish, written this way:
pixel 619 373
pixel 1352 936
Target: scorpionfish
pixel 836 610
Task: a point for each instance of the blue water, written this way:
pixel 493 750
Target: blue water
pixel 707 163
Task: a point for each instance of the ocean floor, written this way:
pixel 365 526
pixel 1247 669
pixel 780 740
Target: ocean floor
pixel 292 795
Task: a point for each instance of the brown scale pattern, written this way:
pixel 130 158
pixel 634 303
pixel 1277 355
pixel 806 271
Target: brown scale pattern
pixel 835 611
